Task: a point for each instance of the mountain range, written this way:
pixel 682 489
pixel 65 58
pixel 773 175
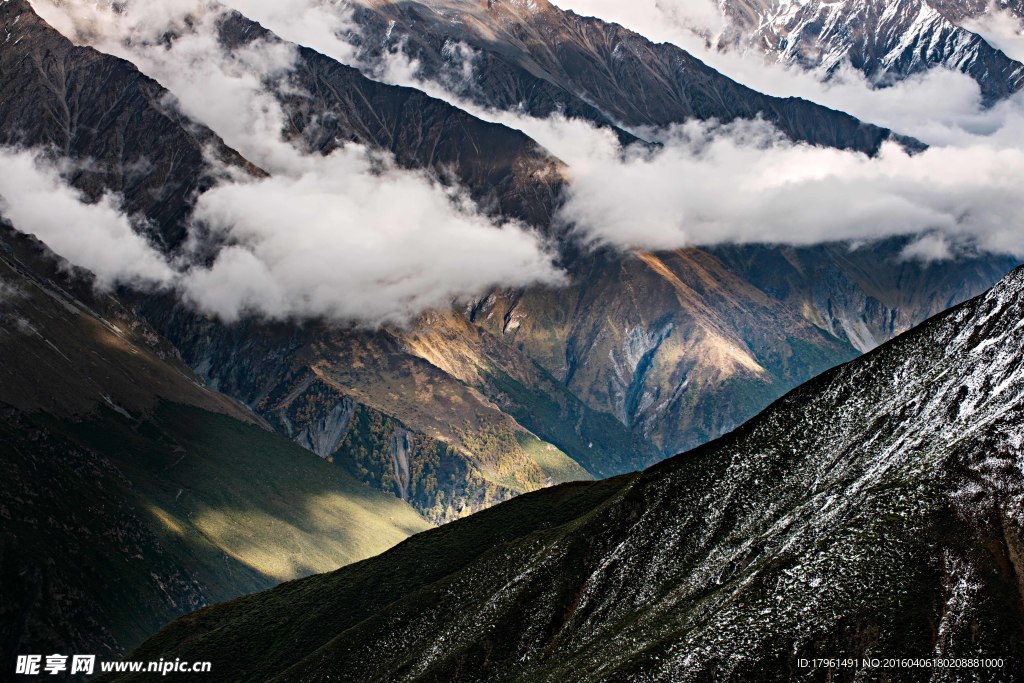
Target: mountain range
pixel 887 40
pixel 875 512
pixel 199 436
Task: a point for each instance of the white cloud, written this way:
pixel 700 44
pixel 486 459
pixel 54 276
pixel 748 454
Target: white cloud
pixel 346 236
pixel 97 236
pixel 687 23
pixel 347 241
pixel 709 184
pixel 1002 29
pixel 744 183
pixel 322 25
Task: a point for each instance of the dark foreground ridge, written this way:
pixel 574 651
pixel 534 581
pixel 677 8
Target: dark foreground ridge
pixel 873 512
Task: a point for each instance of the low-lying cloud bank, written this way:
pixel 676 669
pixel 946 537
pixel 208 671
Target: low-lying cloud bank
pixel 348 236
pixel 707 184
pixel 371 247
pixel 96 236
pixel 744 183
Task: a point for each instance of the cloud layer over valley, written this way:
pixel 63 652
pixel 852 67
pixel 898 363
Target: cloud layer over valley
pixel 706 184
pixel 95 236
pixel 348 236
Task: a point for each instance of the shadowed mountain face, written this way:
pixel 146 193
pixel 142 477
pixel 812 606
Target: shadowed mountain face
pixel 886 39
pixel 641 356
pixel 540 59
pixel 130 494
pixel 874 512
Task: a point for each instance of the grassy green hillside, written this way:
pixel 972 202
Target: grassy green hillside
pixel 409 570
pixel 113 526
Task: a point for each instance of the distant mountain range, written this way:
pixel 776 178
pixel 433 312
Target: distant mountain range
pixel 874 512
pixel 888 40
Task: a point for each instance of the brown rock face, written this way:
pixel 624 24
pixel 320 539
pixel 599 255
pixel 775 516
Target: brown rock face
pixel 543 60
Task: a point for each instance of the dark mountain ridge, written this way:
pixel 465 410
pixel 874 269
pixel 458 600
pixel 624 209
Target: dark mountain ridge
pixel 542 60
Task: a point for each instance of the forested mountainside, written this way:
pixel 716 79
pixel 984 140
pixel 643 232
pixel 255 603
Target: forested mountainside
pixel 874 512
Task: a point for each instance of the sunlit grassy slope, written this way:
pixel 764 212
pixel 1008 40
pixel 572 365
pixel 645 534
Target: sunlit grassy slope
pixel 112 527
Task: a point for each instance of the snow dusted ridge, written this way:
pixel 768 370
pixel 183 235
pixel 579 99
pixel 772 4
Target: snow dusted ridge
pixel 848 518
pixel 886 39
pixel 859 511
pixel 875 512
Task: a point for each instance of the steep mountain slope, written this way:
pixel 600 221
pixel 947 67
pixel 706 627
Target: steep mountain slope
pixel 740 357
pixel 874 512
pixel 867 295
pixel 536 57
pixel 131 494
pixel 367 402
pixel 886 39
pixel 674 345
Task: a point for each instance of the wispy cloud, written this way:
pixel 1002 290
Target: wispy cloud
pixel 705 183
pixel 96 236
pixel 1002 29
pixel 347 236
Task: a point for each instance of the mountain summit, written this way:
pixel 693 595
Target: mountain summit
pixel 885 39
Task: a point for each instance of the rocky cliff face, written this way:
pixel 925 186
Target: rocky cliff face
pixel 874 512
pixel 886 39
pixel 540 59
